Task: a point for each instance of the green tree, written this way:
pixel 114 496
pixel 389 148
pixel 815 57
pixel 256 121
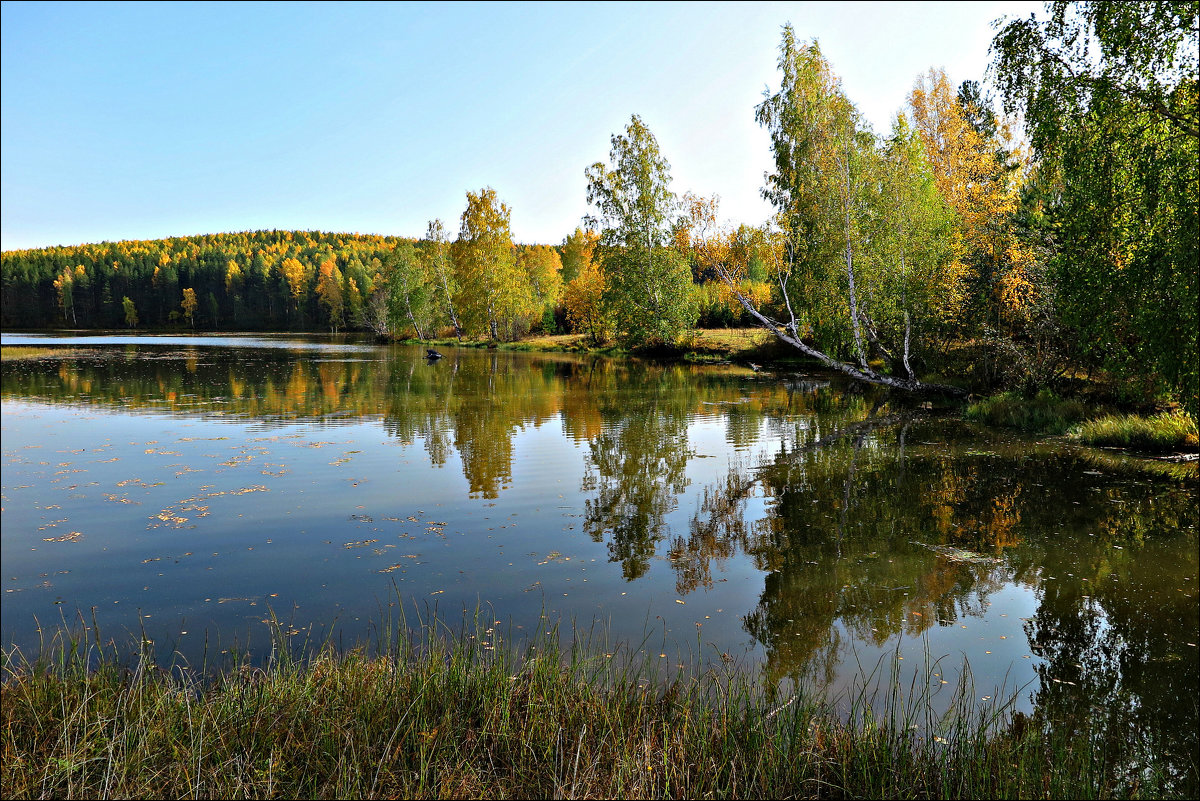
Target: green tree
pixel 1109 94
pixel 917 279
pixel 439 268
pixel 131 315
pixel 409 286
pixel 648 284
pixel 836 288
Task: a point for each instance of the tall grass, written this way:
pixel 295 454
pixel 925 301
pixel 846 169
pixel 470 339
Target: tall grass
pixel 1044 413
pixel 1171 431
pixel 434 712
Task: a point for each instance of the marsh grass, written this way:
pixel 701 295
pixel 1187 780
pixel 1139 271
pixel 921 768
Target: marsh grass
pixel 1044 413
pixel 431 710
pixel 1171 431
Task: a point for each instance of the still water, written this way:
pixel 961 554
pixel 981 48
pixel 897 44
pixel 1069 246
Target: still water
pixel 791 524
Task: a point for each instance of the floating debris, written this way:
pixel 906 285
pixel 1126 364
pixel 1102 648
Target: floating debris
pixel 398 565
pixel 74 536
pixel 960 554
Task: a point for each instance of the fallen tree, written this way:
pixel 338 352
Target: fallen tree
pixel 789 332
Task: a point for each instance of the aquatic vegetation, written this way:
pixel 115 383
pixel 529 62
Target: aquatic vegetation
pixel 1044 413
pixel 1170 431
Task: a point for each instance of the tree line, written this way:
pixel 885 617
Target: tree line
pixel 950 244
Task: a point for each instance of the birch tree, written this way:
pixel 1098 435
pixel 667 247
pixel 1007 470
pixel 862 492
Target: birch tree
pixel 409 290
pixel 826 189
pixel 648 284
pixel 439 270
pixel 489 281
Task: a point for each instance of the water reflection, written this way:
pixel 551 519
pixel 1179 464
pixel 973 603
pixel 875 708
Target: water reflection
pixel 825 523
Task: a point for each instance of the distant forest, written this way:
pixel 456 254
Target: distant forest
pixel 259 280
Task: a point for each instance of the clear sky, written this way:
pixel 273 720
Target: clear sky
pixel 145 120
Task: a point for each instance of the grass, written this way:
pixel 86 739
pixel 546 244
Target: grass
pixel 431 713
pixel 1045 413
pixel 1171 431
pixel 13 353
pixel 702 345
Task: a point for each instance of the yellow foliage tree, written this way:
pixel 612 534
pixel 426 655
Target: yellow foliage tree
pixel 542 269
pixel 980 188
pixel 233 276
pixel 64 285
pixel 189 305
pixel 577 251
pixel 583 297
pixel 329 290
pixel 490 286
pixel 297 278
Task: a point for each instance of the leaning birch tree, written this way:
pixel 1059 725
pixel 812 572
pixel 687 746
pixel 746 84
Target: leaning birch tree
pixel 832 286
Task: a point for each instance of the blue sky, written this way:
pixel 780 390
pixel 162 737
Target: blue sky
pixel 137 121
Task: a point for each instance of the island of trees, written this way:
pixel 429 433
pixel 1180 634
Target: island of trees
pixel 959 240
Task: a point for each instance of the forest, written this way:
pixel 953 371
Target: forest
pixel 1043 225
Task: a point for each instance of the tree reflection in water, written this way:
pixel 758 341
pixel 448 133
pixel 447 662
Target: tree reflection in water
pixel 868 537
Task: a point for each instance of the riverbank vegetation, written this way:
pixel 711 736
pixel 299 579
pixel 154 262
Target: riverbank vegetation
pixel 958 249
pixel 1169 431
pixel 1045 413
pixel 1048 414
pixel 427 713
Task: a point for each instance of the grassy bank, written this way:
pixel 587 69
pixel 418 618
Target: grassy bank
pixel 1163 433
pixel 1048 414
pixel 702 345
pixel 431 716
pixel 1044 413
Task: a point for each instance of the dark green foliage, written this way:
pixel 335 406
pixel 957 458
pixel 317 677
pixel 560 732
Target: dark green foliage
pixel 154 273
pixel 1109 92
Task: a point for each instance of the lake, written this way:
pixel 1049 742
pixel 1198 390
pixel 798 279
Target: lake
pixel 195 488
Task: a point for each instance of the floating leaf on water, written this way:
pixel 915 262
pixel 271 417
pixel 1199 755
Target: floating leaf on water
pixel 74 536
